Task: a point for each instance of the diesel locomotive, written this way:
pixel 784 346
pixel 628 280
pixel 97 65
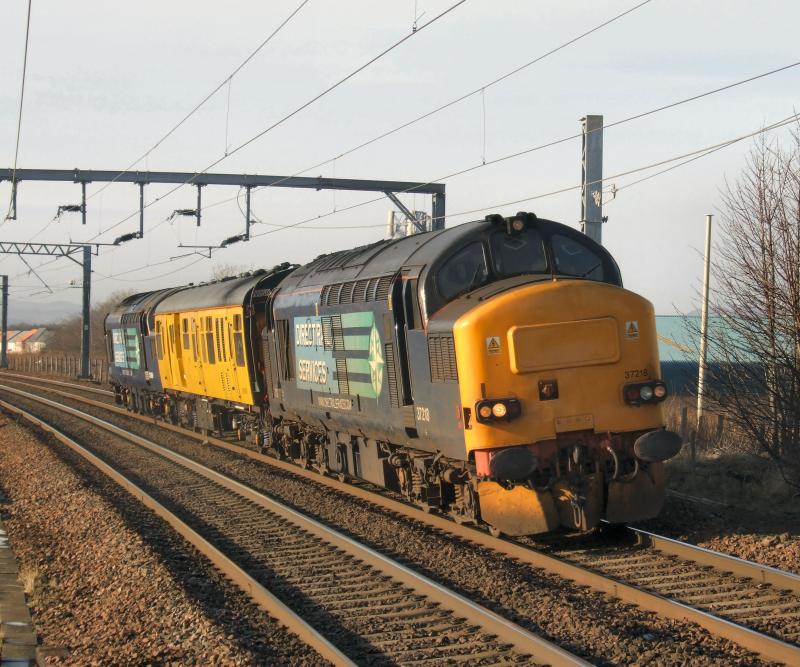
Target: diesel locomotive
pixel 496 371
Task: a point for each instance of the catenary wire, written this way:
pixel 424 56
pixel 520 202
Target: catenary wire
pixel 707 150
pixel 691 155
pixel 291 114
pixel 556 142
pixel 526 151
pixel 449 104
pixel 19 114
pixel 202 102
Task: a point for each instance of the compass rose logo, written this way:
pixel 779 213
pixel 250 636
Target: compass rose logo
pixel 376 362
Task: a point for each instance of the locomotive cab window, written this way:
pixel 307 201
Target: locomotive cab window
pixel 463 271
pixel 576 259
pixel 516 254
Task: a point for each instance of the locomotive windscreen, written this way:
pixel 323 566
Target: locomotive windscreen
pixel 515 254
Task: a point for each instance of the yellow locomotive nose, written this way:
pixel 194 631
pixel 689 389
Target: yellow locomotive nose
pixel 563 351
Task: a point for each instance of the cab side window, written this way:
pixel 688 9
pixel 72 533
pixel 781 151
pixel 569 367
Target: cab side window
pixel 575 259
pixel 463 271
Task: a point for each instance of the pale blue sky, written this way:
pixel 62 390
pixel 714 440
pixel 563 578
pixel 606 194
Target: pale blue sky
pixel 105 80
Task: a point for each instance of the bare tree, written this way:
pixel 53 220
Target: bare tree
pixel 220 271
pixel 67 333
pixel 755 337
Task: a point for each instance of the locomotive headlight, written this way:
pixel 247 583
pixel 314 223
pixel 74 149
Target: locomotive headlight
pixel 499 410
pixel 646 392
pixel 517 224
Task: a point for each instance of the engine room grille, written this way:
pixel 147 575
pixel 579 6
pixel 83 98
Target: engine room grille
pixel 442 357
pixel 357 291
pixel 391 375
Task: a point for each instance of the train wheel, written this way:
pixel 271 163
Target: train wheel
pixel 342 477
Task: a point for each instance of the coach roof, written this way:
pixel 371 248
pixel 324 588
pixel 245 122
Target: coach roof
pixel 225 292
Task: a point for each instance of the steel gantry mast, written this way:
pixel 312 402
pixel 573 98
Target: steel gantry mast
pixel 59 250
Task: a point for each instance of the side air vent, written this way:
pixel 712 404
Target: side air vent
pixel 382 291
pixel 356 291
pixel 391 375
pixel 442 357
pixel 324 296
pixel 327 333
pixel 346 295
pixel 338 333
pixel 341 375
pixel 268 368
pixel 360 291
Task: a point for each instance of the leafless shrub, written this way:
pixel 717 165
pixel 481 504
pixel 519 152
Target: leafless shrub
pixel 755 337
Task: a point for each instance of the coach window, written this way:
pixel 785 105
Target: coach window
pixel 185 331
pixel 463 271
pixel 238 340
pixel 194 339
pixel 575 259
pixel 516 254
pixel 210 341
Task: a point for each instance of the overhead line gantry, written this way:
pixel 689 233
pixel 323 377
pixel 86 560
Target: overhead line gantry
pixel 200 180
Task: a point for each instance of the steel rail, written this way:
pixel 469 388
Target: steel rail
pixel 260 595
pixel 767 647
pixel 507 631
pixel 60 383
pixel 763 574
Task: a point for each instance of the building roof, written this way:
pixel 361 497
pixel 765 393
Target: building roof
pixel 679 337
pixel 38 336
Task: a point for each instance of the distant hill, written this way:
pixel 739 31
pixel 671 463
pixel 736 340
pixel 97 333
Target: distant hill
pixel 39 314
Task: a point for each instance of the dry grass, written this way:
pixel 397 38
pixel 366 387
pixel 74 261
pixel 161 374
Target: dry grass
pixel 727 466
pixel 30 577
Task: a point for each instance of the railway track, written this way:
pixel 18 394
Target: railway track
pixel 351 603
pixel 753 605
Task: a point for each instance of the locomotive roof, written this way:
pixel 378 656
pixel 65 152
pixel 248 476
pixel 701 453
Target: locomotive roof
pixel 389 256
pixel 225 292
pixel 135 303
pixel 381 258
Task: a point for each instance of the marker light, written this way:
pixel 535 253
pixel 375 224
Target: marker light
pixel 517 225
pixel 499 410
pixel 644 393
pixel 632 394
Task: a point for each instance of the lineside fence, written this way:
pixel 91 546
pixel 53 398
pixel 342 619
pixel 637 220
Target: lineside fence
pixel 57 364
